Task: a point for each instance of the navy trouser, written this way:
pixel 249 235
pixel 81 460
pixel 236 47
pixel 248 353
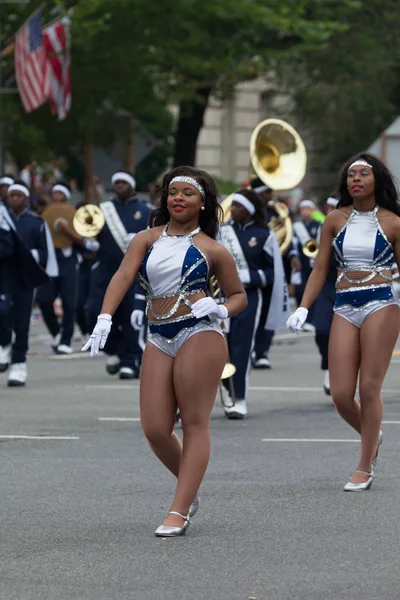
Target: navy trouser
pixel 241 338
pixel 15 315
pixel 123 339
pixel 64 287
pixel 81 314
pixel 323 318
pixel 264 336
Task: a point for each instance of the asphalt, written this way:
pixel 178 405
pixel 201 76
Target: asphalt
pixel 81 498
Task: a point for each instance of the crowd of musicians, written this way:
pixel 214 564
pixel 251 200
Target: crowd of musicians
pixel 79 272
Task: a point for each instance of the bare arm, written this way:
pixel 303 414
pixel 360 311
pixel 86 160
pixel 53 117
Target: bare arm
pixel 123 278
pixel 228 278
pixel 322 263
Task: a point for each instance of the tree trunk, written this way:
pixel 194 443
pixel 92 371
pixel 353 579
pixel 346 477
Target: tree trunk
pixel 190 122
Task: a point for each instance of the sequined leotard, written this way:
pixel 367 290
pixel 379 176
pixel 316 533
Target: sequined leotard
pixel 174 267
pixel 362 246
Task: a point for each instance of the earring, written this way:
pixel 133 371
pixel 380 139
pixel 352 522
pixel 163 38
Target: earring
pixel 203 208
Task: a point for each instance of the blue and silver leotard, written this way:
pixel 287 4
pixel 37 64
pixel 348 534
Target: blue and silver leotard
pixel 174 267
pixel 362 246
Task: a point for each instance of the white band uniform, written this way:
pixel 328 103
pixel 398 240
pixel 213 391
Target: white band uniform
pixel 120 176
pixel 18 187
pixel 249 206
pixel 191 180
pixel 61 188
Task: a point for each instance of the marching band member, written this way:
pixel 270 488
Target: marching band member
pixel 64 285
pixel 323 315
pixel 125 216
pixel 310 226
pixel 5 182
pixel 291 263
pixel 186 350
pixel 15 308
pixel 257 256
pixel 364 234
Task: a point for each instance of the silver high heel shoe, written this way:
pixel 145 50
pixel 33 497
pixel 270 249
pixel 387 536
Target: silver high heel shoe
pixel 360 487
pixel 380 441
pixel 167 531
pixel 194 507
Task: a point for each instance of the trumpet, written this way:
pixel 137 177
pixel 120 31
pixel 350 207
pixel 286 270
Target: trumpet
pixel 229 368
pixel 309 245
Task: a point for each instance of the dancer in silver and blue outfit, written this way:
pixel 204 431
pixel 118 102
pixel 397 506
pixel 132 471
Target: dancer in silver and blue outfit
pixel 186 350
pixel 364 234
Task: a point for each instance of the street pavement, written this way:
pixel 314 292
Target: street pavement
pixel 81 492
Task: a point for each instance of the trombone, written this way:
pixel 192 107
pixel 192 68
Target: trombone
pixel 229 369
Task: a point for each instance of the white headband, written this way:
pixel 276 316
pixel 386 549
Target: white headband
pixel 260 189
pixel 18 187
pixel 362 163
pixel 61 188
pixel 332 202
pixel 123 177
pixel 308 203
pixel 190 180
pixel 6 180
pixel 249 206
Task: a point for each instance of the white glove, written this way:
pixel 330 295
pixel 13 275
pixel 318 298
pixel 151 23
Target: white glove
pixel 137 319
pixel 207 307
pixel 296 321
pixel 244 275
pixel 90 244
pixel 99 336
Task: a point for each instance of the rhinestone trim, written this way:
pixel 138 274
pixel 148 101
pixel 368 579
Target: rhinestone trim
pixel 358 308
pixel 199 325
pixel 363 288
pixel 191 180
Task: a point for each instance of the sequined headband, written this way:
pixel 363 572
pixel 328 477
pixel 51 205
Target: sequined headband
pixel 192 182
pixel 362 163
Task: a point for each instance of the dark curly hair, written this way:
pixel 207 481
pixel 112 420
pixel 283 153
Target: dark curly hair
pixel 385 189
pixel 259 216
pixel 209 218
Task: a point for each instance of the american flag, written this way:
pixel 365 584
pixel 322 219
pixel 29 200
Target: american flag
pixel 58 67
pixel 30 63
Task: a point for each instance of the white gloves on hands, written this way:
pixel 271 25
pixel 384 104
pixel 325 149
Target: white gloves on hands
pixel 137 319
pixel 207 307
pixel 91 245
pixel 296 321
pixel 99 336
pixel 244 275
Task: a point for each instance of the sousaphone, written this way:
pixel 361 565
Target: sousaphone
pixel 278 157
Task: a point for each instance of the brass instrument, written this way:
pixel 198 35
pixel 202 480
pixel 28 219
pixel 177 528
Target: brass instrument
pixel 88 220
pixel 278 157
pixel 309 245
pixel 51 214
pixel 229 369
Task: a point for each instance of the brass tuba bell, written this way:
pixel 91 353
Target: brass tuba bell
pixel 278 157
pixel 88 220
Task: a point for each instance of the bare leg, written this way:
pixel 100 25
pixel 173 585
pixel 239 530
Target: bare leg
pixel 379 334
pixel 158 407
pixel 197 371
pixel 344 363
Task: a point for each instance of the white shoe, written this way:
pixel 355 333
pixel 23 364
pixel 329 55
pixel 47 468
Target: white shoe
pixel 261 363
pixel 327 386
pixel 64 349
pixel 238 411
pixel 5 357
pixel 360 487
pixel 55 341
pixel 18 375
pixel 308 327
pixel 113 364
pixel 128 373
